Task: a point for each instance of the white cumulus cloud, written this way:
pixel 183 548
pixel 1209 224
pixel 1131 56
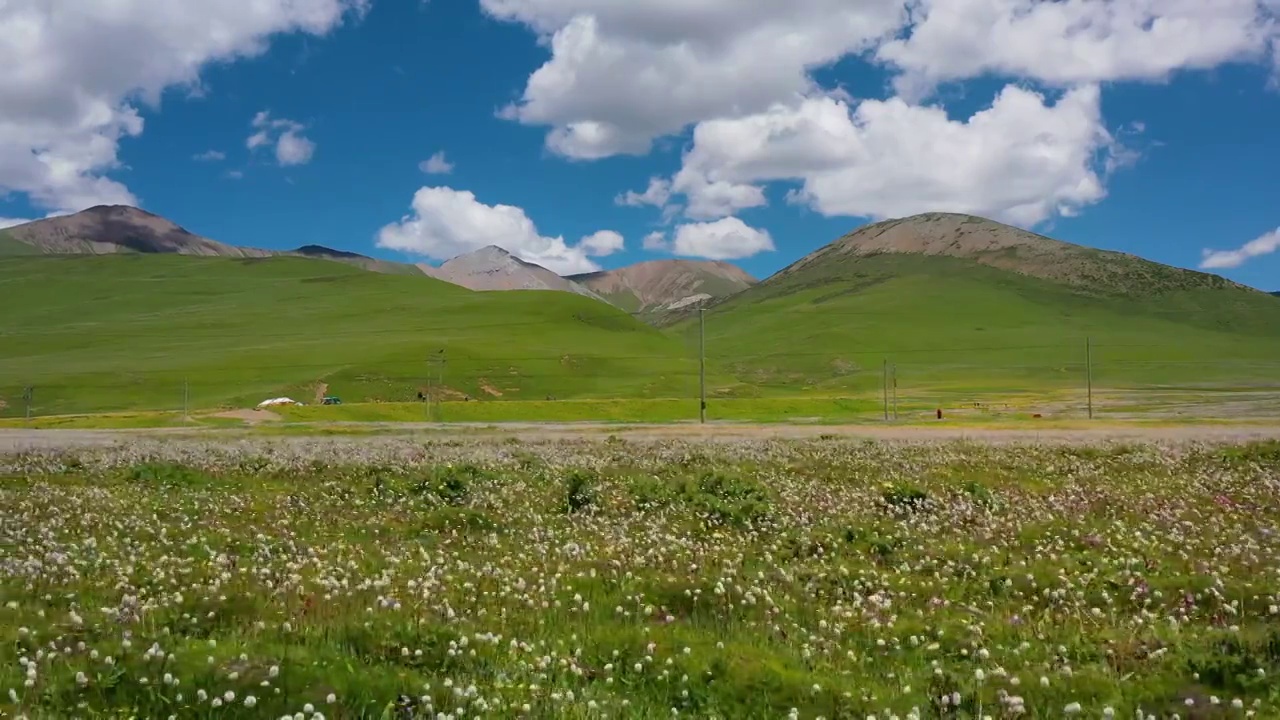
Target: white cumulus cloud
pixel 602 243
pixel 10 222
pixel 446 223
pixel 657 194
pixel 1226 259
pixel 292 147
pixel 437 164
pixel 73 75
pixel 725 239
pixel 622 73
pixel 656 241
pixel 210 156
pixel 1074 42
pixel 1022 160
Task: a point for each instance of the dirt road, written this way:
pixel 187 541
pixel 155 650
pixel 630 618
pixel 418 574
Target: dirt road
pixel 18 440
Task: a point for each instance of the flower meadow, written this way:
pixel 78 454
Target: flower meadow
pixel 401 578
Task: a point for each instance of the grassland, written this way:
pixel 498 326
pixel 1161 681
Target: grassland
pixel 10 247
pixel 396 579
pixel 134 332
pixel 620 411
pixel 159 333
pixel 958 328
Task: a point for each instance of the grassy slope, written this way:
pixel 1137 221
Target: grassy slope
pixel 373 265
pixel 625 300
pixel 10 246
pixel 123 332
pixel 953 323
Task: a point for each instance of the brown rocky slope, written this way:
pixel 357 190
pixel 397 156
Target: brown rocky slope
pixel 666 284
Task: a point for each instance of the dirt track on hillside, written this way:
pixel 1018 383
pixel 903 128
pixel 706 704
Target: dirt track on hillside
pixel 15 440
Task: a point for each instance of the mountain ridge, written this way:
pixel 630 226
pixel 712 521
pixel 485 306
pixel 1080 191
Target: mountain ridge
pixel 961 317
pixel 995 312
pixel 111 229
pixel 657 285
pixel 492 268
pixel 108 229
pixel 1008 248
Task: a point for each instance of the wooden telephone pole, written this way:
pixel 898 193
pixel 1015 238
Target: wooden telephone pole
pixel 884 387
pixel 1088 372
pixel 893 378
pixel 702 366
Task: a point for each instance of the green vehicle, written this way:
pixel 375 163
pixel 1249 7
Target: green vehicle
pixel 331 400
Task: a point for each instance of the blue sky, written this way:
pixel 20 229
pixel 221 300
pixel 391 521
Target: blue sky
pixel 1151 133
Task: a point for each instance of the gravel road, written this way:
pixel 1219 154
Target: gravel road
pixel 12 440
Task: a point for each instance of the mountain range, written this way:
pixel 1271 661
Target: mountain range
pixel 959 306
pixel 492 268
pixel 660 289
pixel 660 285
pixel 644 287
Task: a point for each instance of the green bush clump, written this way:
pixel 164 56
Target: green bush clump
pixel 906 498
pixel 720 497
pixel 457 519
pixel 451 484
pixel 980 494
pixel 167 475
pixel 580 491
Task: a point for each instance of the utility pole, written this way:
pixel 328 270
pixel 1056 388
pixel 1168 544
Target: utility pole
pixel 1088 371
pixel 884 387
pixel 439 407
pixel 895 391
pixel 186 400
pixel 27 394
pixel 702 366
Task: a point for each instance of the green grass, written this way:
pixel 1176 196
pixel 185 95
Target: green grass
pixel 129 332
pixel 618 580
pixel 120 421
pixel 163 332
pixel 639 410
pixel 10 247
pixel 953 326
pixel 101 421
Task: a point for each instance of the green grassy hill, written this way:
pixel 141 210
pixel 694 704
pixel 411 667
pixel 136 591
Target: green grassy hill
pixel 966 310
pixel 957 324
pixel 116 332
pixel 10 246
